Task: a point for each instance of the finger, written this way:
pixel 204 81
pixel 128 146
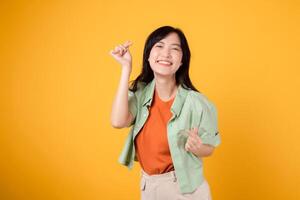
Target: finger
pixel 116 54
pixel 187 147
pixel 122 50
pixel 127 44
pixel 191 131
pixel 197 139
pixel 195 130
pixel 194 141
pixel 196 135
pixel 190 148
pixel 193 134
pixel 116 50
pixel 122 47
pixel 113 52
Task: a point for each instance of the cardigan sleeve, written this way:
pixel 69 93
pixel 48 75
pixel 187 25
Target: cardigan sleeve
pixel 132 105
pixel 208 128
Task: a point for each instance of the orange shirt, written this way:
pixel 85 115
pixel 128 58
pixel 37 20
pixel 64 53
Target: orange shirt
pixel 151 143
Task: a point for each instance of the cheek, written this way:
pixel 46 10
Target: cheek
pixel 180 58
pixel 152 54
pixel 177 57
pixel 150 57
pixel 151 61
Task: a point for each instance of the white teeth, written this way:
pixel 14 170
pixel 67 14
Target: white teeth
pixel 164 62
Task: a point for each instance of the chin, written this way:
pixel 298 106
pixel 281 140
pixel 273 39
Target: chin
pixel 159 73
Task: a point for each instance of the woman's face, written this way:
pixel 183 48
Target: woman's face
pixel 166 55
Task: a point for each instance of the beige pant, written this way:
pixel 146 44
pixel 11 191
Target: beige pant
pixel 166 187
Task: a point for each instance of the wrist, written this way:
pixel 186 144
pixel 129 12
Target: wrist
pixel 126 68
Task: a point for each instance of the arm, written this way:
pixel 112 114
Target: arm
pixel 205 150
pixel 194 145
pixel 120 115
pixel 204 146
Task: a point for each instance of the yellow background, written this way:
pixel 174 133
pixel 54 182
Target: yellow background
pixel 58 83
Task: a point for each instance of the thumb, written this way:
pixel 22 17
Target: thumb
pixel 127 44
pixel 195 130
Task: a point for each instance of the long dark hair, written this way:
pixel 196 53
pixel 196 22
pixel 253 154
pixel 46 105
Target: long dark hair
pixel 182 74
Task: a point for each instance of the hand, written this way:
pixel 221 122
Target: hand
pixel 122 55
pixel 194 142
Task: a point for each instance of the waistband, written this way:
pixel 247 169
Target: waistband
pixel 165 176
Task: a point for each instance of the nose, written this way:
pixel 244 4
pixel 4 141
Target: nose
pixel 166 52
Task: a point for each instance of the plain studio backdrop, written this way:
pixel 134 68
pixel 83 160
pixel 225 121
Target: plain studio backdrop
pixel 58 82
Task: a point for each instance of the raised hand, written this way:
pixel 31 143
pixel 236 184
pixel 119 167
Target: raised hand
pixel 122 55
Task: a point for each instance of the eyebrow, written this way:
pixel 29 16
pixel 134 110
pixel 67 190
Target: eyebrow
pixel 176 44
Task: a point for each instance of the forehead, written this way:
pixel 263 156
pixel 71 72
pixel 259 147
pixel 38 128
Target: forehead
pixel 171 38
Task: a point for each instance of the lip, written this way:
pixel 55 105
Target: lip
pixel 165 63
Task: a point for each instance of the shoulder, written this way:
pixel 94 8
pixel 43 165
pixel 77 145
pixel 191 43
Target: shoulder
pixel 199 101
pixel 141 86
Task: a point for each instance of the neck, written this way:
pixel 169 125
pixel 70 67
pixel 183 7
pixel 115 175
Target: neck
pixel 166 88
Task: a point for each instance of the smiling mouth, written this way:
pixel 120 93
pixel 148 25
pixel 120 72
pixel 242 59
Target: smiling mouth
pixel 164 62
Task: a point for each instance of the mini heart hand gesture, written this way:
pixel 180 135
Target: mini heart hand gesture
pixel 194 142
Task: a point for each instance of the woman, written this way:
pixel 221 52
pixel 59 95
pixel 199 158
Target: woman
pixel 173 125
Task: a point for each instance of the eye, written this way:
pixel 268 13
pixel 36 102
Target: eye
pixel 176 49
pixel 158 45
